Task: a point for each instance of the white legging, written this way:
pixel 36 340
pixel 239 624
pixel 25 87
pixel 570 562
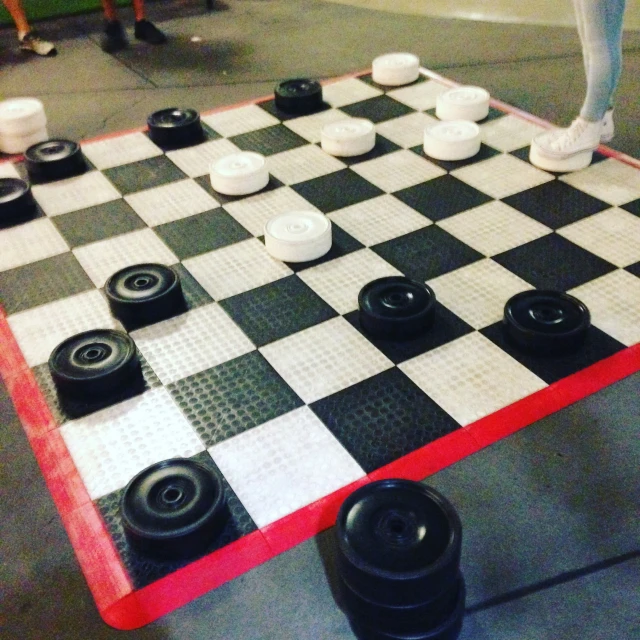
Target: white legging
pixel 600 30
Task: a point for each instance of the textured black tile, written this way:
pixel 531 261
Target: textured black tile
pixel 632 207
pixel 40 282
pixel 205 183
pixel 383 418
pixel 597 346
pixel 442 197
pixel 233 397
pixel 336 190
pixel 277 310
pixel 449 165
pixel 269 140
pixel 98 223
pixel 635 269
pixel 555 204
pixel 377 109
pixel 194 294
pixel 203 232
pixel 367 78
pixel 426 253
pixel 447 326
pixel 493 114
pixel 143 570
pixel 552 262
pixel 270 107
pixel 144 174
pixel 382 148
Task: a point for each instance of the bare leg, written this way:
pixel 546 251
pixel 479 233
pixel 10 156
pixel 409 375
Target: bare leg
pixel 14 7
pixel 109 8
pixel 138 9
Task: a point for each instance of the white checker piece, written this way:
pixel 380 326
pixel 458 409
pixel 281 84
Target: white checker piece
pixel 339 281
pixel 478 292
pixel 171 202
pixel 325 359
pixel 398 170
pixel 303 163
pixel 502 176
pixel 421 96
pixel 614 303
pixel 8 170
pixel 344 92
pixel 471 378
pixel 235 269
pixel 310 127
pixel 196 161
pixel 191 342
pixel 39 330
pixel 284 465
pixel 253 212
pixel 103 258
pixel 613 235
pixel 124 149
pixel 73 194
pixel 30 242
pixel 613 181
pixel 233 122
pixel 111 446
pixel 493 227
pixel 406 131
pixel 378 219
pixel 509 133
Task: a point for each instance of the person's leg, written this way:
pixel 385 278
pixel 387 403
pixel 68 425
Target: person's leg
pixel 14 7
pixel 29 39
pixel 145 30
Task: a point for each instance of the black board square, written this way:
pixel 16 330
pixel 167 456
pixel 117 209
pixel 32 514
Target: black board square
pixel 635 269
pixel 426 253
pixel 442 197
pixel 277 310
pixel 382 148
pixel 632 207
pixel 485 153
pixel 377 109
pixel 144 174
pixel 194 295
pixel 205 183
pixel 269 140
pixel 552 262
pixel 383 418
pixel 233 397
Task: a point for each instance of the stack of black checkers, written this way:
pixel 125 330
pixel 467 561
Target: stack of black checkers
pixel 398 554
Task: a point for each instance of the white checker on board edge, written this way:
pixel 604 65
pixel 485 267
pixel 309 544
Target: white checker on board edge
pixel 111 446
pixel 119 150
pixel 324 359
pixel 471 377
pixel 285 464
pixel 303 163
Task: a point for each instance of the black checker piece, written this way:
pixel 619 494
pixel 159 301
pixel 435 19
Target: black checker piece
pixel 555 204
pixel 551 368
pixel 377 109
pixel 144 174
pixel 383 418
pixel 277 310
pixel 552 262
pixel 485 153
pixel 632 207
pixel 269 140
pixel 143 570
pixel 205 183
pixel 233 397
pixel 41 282
pixel 426 253
pixel 442 197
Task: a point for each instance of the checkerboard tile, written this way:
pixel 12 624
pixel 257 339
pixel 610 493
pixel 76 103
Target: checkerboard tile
pixel 8 170
pixel 475 369
pixel 109 447
pixel 269 141
pixel 119 150
pixel 343 92
pixel 233 122
pixel 235 269
pixel 421 96
pixel 144 174
pixel 196 161
pixel 302 164
pixel 324 359
pixel 408 130
pixel 284 465
pixel 509 133
pixel 377 109
pixel 310 127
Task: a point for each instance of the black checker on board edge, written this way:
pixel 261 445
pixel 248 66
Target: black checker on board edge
pixel 143 570
pixel 551 368
pixel 383 418
pixel 231 398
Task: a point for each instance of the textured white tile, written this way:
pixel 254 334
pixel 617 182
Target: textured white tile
pixel 471 377
pixel 509 133
pixel 191 342
pixel 502 176
pixel 284 465
pixel 303 163
pixel 79 192
pixel 310 127
pixel 171 202
pixel 39 330
pixel 237 268
pixel 30 242
pixel 8 170
pixel 324 359
pixel 398 170
pixel 103 258
pixel 123 149
pixel 421 96
pixel 614 303
pixel 233 122
pixel 196 161
pixel 406 131
pixel 113 445
pixel 478 292
pixel 379 219
pixel 493 227
pixel 339 281
pixel 613 235
pixel 343 92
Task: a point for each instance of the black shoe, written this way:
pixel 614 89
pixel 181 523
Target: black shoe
pixel 145 30
pixel 114 38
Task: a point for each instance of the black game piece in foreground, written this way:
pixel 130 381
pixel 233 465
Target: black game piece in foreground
pixel 16 201
pixel 54 160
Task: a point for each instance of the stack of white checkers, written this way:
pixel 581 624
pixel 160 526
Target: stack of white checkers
pixel 239 174
pixel 298 236
pixel 22 123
